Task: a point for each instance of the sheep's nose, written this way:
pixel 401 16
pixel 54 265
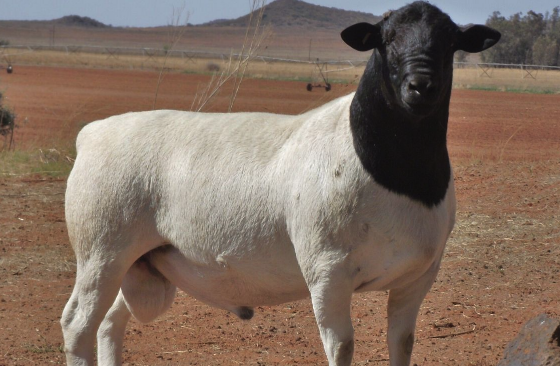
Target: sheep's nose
pixel 421 85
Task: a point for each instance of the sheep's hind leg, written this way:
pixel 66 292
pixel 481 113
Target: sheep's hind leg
pixel 146 294
pixel 110 335
pixel 97 286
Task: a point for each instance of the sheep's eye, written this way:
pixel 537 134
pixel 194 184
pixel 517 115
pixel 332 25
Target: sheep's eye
pixel 389 38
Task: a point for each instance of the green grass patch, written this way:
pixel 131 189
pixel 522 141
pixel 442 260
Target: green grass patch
pixel 43 162
pixel 531 91
pixel 507 89
pixel 483 88
pixel 274 76
pixel 305 79
pixel 46 348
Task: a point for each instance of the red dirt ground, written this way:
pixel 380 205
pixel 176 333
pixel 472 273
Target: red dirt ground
pixel 501 267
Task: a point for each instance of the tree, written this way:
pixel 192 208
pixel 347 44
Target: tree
pixel 500 52
pixel 533 38
pixel 532 27
pixel 461 56
pixel 553 32
pixel 545 51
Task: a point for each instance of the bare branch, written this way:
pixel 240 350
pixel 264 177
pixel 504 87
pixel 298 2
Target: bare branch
pixel 454 334
pixel 253 47
pixel 237 69
pixel 175 31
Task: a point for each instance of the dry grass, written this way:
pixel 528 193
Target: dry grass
pixel 508 80
pixel 515 80
pixel 510 214
pixel 257 69
pixel 50 162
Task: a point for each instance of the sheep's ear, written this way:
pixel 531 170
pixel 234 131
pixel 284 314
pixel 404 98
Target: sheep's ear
pixel 362 36
pixel 477 38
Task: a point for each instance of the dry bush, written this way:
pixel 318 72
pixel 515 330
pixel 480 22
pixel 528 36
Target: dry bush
pixel 212 67
pixel 7 125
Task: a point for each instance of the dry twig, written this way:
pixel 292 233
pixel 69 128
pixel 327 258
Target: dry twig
pixel 236 68
pixel 453 334
pixel 176 29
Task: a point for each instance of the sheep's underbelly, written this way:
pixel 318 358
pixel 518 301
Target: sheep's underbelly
pixel 232 282
pixel 385 244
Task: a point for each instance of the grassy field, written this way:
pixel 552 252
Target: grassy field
pixel 259 68
pixel 514 80
pixel 47 162
pixel 472 77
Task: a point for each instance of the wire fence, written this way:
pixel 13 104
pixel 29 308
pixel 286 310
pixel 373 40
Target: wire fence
pixel 162 52
pixel 116 52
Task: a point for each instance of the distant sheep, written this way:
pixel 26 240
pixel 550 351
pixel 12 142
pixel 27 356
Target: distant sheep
pixel 251 209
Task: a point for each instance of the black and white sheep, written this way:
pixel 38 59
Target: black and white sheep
pixel 249 209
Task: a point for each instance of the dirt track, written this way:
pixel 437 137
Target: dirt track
pixel 501 266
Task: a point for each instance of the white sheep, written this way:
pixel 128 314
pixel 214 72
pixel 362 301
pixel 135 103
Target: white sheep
pixel 251 209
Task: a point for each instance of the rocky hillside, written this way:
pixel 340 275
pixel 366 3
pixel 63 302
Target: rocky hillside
pixel 78 21
pixel 297 13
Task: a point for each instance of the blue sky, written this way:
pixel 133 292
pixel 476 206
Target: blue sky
pixel 143 13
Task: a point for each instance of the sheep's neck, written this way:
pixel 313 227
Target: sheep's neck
pixel 405 155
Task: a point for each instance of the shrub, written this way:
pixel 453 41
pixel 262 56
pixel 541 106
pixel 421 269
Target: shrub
pixel 7 123
pixel 213 67
pixel 7 120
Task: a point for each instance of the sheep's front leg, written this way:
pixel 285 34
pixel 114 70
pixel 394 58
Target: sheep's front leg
pixel 403 307
pixel 331 295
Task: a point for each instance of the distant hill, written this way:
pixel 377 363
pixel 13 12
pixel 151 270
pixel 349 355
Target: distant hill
pixel 278 13
pixel 297 13
pixel 68 20
pixel 78 21
pixel 301 31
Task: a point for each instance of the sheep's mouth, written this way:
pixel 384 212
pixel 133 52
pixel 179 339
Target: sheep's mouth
pixel 418 107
